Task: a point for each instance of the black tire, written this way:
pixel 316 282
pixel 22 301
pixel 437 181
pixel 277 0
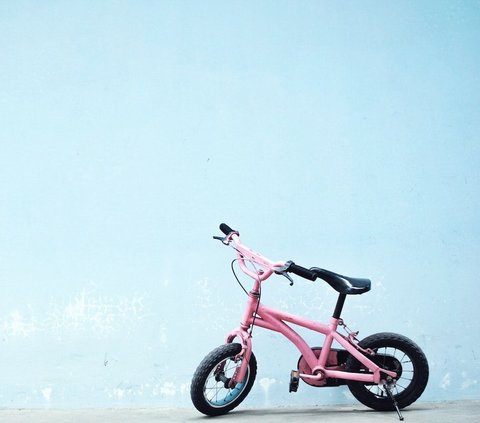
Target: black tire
pixel 394 352
pixel 208 393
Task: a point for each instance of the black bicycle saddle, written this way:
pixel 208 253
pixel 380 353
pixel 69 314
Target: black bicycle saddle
pixel 343 284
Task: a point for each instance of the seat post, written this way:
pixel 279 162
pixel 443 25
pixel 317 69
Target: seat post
pixel 338 308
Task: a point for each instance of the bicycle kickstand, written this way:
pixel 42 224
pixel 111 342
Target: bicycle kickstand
pixel 390 394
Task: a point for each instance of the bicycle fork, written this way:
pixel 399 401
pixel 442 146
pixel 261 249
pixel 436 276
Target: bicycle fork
pixel 244 336
pixel 243 355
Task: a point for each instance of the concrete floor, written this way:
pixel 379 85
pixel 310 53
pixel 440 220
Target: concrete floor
pixel 444 412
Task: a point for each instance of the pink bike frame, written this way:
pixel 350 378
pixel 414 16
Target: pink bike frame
pixel 257 314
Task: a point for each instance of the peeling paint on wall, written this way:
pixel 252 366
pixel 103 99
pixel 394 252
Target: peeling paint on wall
pixel 85 311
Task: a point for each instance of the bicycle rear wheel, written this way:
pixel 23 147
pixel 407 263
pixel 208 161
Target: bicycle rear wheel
pixel 210 392
pixel 399 354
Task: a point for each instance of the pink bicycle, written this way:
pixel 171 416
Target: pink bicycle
pixel 384 371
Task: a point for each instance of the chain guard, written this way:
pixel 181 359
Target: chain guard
pixel 336 360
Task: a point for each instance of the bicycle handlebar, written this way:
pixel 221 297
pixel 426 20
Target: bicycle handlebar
pixel 261 268
pixel 302 271
pixel 245 254
pixel 227 230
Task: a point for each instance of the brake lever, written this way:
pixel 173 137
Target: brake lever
pixel 222 239
pixel 288 277
pixel 282 271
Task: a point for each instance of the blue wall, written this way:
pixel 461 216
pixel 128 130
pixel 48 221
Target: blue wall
pixel 337 134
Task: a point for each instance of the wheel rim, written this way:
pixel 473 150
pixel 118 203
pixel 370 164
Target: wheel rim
pixel 214 390
pixel 391 358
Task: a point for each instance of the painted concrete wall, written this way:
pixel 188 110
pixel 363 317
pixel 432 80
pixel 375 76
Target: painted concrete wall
pixel 337 134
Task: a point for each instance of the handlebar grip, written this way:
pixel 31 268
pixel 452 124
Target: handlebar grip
pixel 227 230
pixel 302 271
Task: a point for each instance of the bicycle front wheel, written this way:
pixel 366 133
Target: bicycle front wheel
pixel 399 354
pixel 210 390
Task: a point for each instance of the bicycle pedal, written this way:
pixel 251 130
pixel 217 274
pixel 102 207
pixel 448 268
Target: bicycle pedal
pixel 294 380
